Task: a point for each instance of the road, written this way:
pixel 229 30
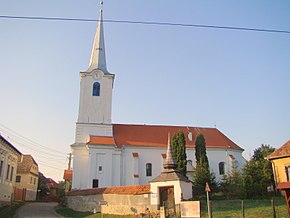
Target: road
pixel 37 210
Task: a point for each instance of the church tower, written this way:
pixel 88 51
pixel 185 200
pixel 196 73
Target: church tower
pixel 96 86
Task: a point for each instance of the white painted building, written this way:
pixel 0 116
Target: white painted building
pixel 107 154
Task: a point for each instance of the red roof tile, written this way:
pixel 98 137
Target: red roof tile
pixel 101 140
pixel 283 151
pixel 121 190
pixel 52 184
pixel 154 135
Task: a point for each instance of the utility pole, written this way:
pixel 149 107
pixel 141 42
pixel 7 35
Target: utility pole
pixel 67 183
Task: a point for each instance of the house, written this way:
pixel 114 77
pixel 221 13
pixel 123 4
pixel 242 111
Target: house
pixel 27 177
pixel 9 156
pixel 107 154
pixel 280 159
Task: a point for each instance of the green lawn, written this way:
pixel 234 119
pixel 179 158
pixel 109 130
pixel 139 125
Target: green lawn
pixel 261 208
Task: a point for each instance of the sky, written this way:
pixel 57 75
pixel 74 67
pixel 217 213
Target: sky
pixel 236 81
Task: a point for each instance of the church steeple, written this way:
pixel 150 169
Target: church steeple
pixel 169 163
pixel 98 56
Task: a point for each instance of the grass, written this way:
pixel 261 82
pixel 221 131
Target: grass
pixel 10 210
pixel 253 208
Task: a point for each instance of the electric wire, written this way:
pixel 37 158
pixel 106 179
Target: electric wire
pixel 147 23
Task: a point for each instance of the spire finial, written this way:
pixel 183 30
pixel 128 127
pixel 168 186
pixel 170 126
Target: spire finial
pixel 98 57
pixel 101 6
pixel 169 163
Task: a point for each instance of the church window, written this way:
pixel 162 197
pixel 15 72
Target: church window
pixel 96 89
pixel 149 169
pixel 100 169
pixel 221 168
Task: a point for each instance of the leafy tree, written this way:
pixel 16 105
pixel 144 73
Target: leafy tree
pixel 42 186
pixel 257 173
pixel 179 151
pixel 200 151
pixel 202 172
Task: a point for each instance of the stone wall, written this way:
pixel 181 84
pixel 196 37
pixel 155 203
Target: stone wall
pixel 115 200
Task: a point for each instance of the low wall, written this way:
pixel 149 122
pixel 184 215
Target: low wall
pixel 115 200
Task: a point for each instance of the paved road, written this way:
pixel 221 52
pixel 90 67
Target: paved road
pixel 37 210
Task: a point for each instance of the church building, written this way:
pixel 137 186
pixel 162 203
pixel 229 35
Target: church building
pixel 108 154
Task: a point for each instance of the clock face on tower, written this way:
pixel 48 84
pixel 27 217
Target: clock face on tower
pixel 97 74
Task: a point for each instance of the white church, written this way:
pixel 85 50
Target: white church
pixel 107 154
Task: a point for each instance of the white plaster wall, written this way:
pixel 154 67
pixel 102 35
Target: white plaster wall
pixel 153 155
pixel 146 155
pixel 84 130
pixel 102 155
pixel 95 109
pixel 80 166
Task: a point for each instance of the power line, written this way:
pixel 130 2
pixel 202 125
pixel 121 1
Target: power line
pixel 147 23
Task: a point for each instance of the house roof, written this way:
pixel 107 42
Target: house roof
pixel 283 151
pixel 25 163
pixel 121 190
pixel 156 136
pixel 52 184
pixel 9 144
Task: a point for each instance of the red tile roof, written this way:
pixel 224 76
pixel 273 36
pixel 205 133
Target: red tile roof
pixel 101 140
pixel 283 151
pixel 283 185
pixel 121 190
pixel 156 135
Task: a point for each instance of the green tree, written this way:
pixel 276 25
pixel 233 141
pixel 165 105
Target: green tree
pixel 202 172
pixel 257 173
pixel 179 151
pixel 230 184
pixel 42 186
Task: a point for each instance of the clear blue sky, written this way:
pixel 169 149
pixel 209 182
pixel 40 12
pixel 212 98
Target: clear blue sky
pixel 236 80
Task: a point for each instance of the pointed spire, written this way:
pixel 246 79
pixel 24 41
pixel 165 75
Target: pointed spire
pixel 98 56
pixel 169 163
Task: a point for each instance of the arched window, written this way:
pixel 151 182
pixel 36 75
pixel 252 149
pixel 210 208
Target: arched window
pixel 96 89
pixel 149 169
pixel 222 168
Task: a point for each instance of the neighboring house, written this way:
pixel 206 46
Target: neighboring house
pixel 107 154
pixel 27 177
pixel 9 156
pixel 280 159
pixel 53 186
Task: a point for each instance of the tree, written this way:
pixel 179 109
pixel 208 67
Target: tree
pixel 257 173
pixel 202 172
pixel 230 184
pixel 42 186
pixel 179 151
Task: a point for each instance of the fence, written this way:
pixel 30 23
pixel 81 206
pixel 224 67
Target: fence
pixel 260 208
